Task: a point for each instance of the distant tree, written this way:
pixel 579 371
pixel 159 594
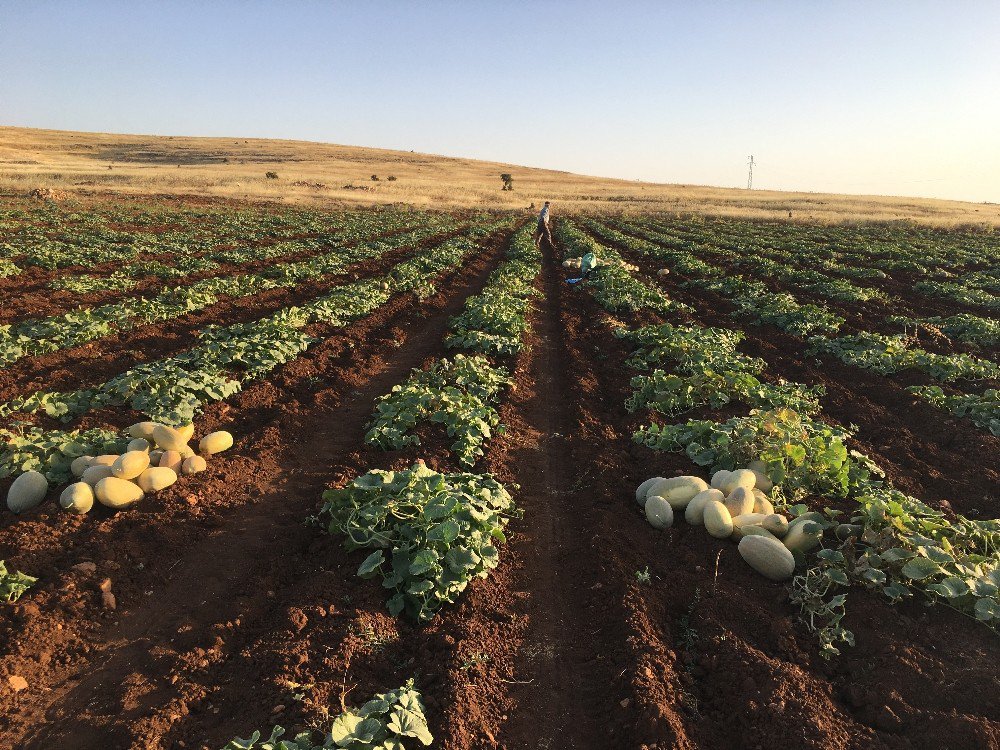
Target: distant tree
pixel 391 178
pixel 271 175
pixel 374 178
pixel 508 181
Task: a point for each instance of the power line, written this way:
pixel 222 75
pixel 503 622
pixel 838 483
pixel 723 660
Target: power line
pixel 750 164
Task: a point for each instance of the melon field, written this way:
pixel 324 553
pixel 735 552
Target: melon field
pixel 379 477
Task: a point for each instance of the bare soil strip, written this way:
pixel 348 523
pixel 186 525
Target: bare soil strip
pixel 565 670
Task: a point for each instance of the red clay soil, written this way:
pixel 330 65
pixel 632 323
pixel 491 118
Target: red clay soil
pixel 233 615
pixel 719 661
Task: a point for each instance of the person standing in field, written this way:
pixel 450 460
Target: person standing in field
pixel 543 227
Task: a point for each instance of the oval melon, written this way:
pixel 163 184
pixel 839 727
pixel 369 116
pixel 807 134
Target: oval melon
pixel 755 531
pixel 719 478
pixel 767 556
pixel 803 536
pixel 759 469
pixel 95 474
pixel 215 442
pixel 717 520
pixel 156 478
pixel 108 459
pixel 640 491
pixel 745 520
pixel 695 510
pixel 739 478
pixel 27 491
pixel 117 493
pixel 170 460
pixel 142 430
pixel 760 503
pixel 811 515
pixel 677 491
pixel 130 465
pixel 193 465
pixel 139 444
pixel 776 524
pixel 658 512
pixel 168 438
pixel 739 502
pixel 77 498
pixel 80 464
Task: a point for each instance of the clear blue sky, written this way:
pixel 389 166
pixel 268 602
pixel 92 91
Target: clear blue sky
pixel 861 97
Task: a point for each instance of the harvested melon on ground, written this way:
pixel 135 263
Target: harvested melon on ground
pixel 659 513
pixel 27 491
pixel 117 493
pixel 215 442
pixel 77 498
pixel 156 478
pixel 130 465
pixel 767 556
pixel 718 522
pixel 678 491
pixel 695 511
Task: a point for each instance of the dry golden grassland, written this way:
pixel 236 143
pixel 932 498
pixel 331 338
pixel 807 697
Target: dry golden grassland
pixel 327 174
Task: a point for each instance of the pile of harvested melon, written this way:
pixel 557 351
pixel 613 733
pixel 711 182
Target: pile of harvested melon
pixel 734 506
pixel 152 461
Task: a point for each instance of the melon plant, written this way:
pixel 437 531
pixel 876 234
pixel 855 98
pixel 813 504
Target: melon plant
pixel 13 583
pixel 390 721
pixel 802 455
pixel 52 452
pixel 432 533
pixel 457 393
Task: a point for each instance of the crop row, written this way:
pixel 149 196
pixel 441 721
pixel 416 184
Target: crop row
pixel 443 525
pixel 875 250
pixel 51 237
pixel 351 228
pixel 880 353
pixel 893 543
pixel 44 335
pixel 174 389
pixel 966 277
pixel 431 533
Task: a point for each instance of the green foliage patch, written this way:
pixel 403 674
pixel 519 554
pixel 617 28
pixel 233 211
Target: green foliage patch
pixel 432 533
